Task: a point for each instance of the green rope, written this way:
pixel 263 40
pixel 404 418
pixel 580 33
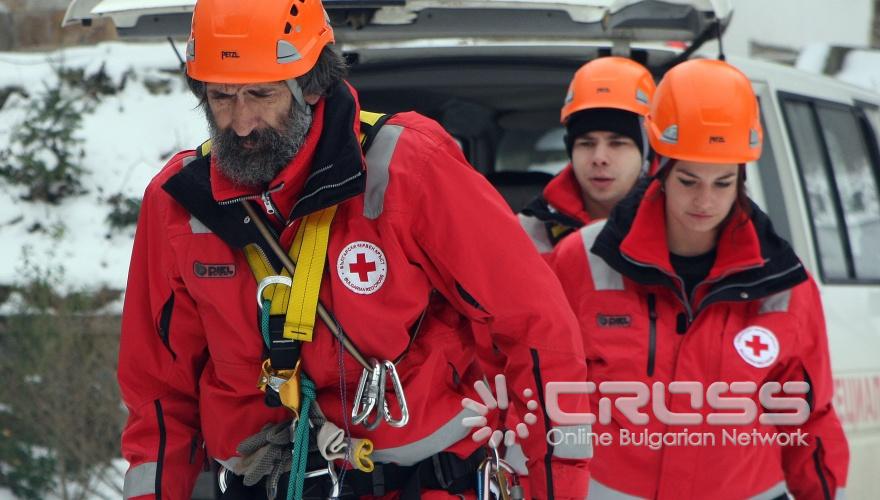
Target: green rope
pixel 264 321
pixel 301 440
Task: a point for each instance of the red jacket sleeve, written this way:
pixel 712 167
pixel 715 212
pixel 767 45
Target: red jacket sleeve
pixel 818 470
pixel 494 275
pixel 162 352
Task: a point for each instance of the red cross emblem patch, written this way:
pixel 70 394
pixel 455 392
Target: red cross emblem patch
pixel 362 267
pixel 757 346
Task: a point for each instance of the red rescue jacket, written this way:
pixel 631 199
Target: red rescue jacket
pixel 757 317
pixel 191 348
pixel 556 212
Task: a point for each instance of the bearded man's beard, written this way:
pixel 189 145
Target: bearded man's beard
pixel 268 150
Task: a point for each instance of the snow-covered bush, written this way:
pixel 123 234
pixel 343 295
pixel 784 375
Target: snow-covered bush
pixel 61 415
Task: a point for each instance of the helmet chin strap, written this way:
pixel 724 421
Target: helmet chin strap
pixel 297 92
pixel 646 148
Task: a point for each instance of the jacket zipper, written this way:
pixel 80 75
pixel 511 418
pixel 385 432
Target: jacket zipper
pixel 270 207
pixel 680 295
pixel 237 199
pixel 652 332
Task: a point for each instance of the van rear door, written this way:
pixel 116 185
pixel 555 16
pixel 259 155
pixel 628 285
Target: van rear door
pixel 390 20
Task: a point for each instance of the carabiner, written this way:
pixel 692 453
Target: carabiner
pixel 336 490
pixel 369 397
pixel 401 398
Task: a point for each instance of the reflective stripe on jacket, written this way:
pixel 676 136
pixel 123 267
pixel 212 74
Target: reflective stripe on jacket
pixel 556 212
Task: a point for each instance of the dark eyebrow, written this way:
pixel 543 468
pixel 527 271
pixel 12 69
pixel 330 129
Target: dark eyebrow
pixel 695 176
pixel 219 93
pixel 688 173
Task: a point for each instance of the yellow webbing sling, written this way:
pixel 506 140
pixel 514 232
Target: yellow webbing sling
pixel 309 252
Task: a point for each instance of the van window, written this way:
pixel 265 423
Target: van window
pixel 771 185
pixel 827 228
pixel 531 150
pixel 856 185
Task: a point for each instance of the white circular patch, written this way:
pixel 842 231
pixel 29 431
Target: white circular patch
pixel 758 346
pixel 362 267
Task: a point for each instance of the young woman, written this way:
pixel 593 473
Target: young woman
pixel 688 282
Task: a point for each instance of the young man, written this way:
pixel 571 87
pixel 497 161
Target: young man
pixel 603 115
pixel 405 254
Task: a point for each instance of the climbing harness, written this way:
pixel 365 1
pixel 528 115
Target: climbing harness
pixel 374 379
pixel 298 284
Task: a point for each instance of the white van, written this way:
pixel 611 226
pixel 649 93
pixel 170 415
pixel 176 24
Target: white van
pixel 494 73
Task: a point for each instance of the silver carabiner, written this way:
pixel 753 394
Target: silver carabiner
pixel 399 394
pixel 366 400
pixel 336 490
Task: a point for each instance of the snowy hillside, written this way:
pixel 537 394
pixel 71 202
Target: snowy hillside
pixel 126 140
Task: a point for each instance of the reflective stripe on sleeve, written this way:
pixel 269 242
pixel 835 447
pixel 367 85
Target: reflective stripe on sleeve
pixel 776 491
pixel 604 277
pixel 571 441
pixel 450 433
pixel 599 491
pixel 536 230
pixel 378 161
pixel 776 303
pixel 516 458
pixel 140 480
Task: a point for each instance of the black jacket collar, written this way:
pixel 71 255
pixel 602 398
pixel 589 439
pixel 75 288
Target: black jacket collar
pixel 781 271
pixel 337 175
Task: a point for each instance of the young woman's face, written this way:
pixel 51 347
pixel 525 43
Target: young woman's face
pixel 699 196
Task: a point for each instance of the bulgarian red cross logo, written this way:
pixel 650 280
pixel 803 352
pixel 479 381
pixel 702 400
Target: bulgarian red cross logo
pixel 362 267
pixel 756 345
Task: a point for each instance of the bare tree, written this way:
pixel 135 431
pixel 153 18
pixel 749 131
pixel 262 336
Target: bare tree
pixel 59 393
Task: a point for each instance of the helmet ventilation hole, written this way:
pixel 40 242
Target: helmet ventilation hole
pixel 294 11
pixel 287 28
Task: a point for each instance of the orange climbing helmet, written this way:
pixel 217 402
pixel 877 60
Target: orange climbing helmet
pixel 609 82
pixel 705 111
pixel 238 42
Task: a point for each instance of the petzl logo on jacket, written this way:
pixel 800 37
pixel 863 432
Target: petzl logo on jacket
pixel 213 270
pixel 614 321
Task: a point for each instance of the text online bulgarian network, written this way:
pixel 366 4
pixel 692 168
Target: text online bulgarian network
pixel 734 413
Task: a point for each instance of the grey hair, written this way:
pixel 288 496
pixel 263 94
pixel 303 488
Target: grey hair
pixel 328 71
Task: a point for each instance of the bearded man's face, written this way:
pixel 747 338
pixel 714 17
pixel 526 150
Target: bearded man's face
pixel 256 129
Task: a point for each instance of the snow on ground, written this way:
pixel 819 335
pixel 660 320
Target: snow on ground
pixel 128 138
